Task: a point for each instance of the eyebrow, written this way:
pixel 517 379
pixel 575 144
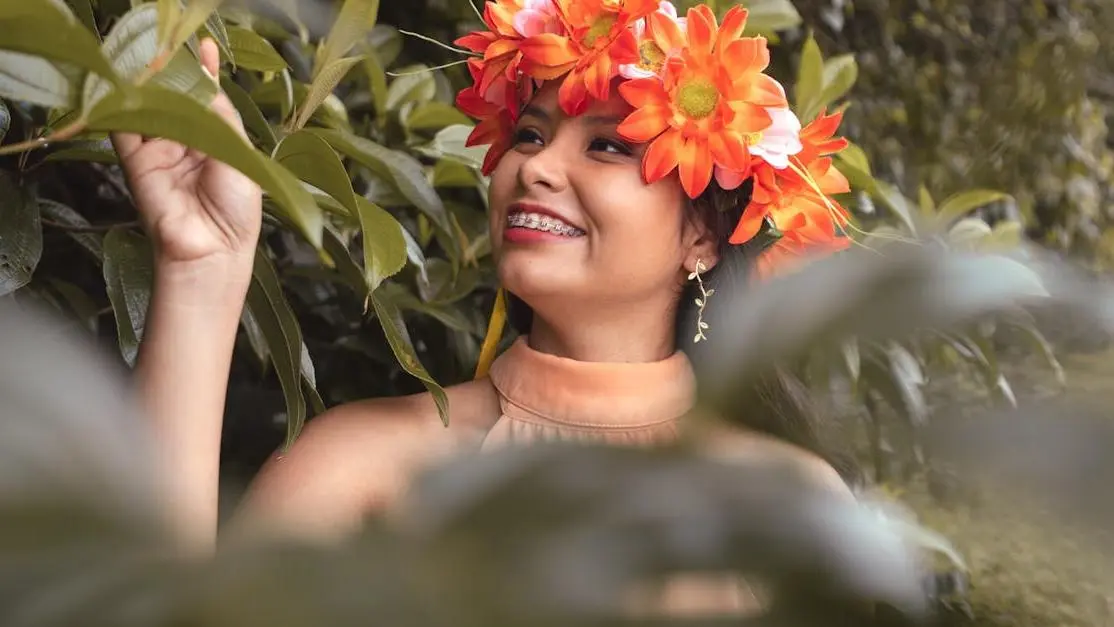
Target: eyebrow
pixel 542 114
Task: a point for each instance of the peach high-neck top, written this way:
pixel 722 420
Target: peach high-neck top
pixel 543 397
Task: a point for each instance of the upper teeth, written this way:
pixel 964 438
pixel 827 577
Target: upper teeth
pixel 541 222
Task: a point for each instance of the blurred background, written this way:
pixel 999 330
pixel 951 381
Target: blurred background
pixel 977 128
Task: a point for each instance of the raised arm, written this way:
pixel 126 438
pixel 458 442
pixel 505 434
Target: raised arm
pixel 204 219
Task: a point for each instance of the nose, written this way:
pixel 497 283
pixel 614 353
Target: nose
pixel 544 170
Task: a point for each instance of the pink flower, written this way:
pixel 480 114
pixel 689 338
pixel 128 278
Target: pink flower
pixel 656 43
pixel 782 139
pixel 537 17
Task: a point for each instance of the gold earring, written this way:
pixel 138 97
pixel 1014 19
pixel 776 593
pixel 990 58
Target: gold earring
pixel 701 301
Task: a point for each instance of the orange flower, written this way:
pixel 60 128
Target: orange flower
pixel 818 138
pixel 498 79
pixel 496 122
pixel 709 104
pixel 805 234
pixel 598 41
pixel 779 193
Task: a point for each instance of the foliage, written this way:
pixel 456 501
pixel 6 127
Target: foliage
pixel 375 209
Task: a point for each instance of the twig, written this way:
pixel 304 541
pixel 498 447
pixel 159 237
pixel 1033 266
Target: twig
pixel 66 132
pixel 90 228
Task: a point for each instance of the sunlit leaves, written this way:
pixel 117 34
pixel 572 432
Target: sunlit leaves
pixel 383 243
pixel 397 167
pixel 155 111
pixel 322 87
pixel 253 52
pixel 49 30
pixel 820 82
pixel 390 318
pixel 356 19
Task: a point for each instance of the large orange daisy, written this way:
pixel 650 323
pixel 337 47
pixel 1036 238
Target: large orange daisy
pixel 709 104
pixel 598 41
pixel 805 233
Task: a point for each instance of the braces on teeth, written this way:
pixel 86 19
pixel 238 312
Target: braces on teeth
pixel 542 223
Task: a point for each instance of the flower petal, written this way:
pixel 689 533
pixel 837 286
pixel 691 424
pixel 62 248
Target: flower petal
pixel 573 94
pixel 661 157
pixel 749 224
pixel 644 92
pixel 597 77
pixel 548 50
pixel 695 166
pixel 665 32
pixel 701 31
pixel 644 124
pixel 734 23
pixel 729 179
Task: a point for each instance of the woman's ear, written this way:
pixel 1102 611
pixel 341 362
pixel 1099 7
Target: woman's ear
pixel 700 244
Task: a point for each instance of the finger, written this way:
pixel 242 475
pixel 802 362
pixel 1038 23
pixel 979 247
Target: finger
pixel 210 57
pixel 125 144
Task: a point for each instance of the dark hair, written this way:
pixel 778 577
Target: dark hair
pixel 781 404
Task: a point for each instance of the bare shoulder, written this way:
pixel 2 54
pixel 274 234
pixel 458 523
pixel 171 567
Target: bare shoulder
pixel 359 457
pixel 735 443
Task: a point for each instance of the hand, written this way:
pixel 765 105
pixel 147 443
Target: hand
pixel 195 208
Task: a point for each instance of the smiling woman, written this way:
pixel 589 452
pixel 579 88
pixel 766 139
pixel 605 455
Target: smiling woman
pixel 636 158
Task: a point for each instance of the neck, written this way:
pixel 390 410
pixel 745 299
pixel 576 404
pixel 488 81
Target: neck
pixel 634 335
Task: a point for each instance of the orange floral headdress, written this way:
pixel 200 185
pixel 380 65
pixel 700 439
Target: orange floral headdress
pixel 701 100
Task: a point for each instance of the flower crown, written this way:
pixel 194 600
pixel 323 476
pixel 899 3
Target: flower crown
pixel 700 97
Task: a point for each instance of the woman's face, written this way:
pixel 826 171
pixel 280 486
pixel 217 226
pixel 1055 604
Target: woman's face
pixel 572 218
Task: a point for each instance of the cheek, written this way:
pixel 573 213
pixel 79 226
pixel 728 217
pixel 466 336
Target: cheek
pixel 501 190
pixel 639 224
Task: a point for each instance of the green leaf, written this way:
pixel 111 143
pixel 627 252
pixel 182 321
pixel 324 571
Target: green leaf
pixel 83 9
pixel 79 304
pixel 254 121
pixel 384 246
pixel 323 86
pixel 271 310
pixel 897 202
pixel 169 14
pixel 35 80
pixel 856 157
pixel 196 13
pixel 968 232
pixel 131 46
pixel 57 212
pixel 377 81
pixel 93 151
pixel 154 111
pixel 927 204
pixel 21 236
pixel 401 169
pixel 49 30
pixel 840 74
pixel 128 276
pixel 1041 346
pixel 810 80
pixel 356 19
pixel 312 159
pixel 387 42
pixel 415 87
pixel 435 115
pixel 256 339
pixel 958 205
pixel 769 16
pixel 449 173
pixel 346 268
pixel 450 143
pixel 5 120
pixel 253 52
pixel 394 327
pixel 219 32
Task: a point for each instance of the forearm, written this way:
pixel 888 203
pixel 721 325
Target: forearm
pixel 182 375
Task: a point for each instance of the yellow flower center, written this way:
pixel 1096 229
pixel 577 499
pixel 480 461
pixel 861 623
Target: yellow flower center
pixel 651 56
pixel 753 138
pixel 600 28
pixel 698 98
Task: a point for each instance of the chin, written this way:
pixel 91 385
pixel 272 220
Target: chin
pixel 536 274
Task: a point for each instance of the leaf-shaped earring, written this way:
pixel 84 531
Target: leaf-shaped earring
pixel 701 301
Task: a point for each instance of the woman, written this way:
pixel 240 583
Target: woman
pixel 600 243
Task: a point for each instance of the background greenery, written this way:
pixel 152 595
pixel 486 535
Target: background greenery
pixel 972 123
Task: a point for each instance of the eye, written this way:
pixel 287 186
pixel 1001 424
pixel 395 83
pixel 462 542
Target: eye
pixel 611 146
pixel 527 136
